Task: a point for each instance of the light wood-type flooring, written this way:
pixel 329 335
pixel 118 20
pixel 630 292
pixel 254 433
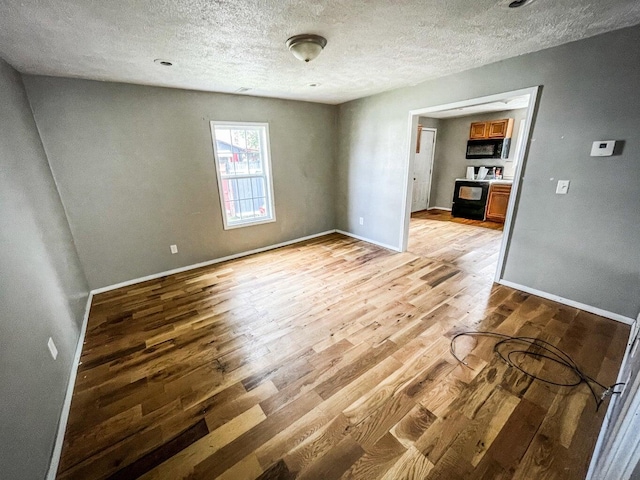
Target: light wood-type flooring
pixel 330 359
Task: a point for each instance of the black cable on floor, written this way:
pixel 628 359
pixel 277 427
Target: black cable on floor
pixel 551 352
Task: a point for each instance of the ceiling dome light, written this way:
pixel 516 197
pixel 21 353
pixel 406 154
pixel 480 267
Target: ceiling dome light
pixel 518 3
pixel 306 47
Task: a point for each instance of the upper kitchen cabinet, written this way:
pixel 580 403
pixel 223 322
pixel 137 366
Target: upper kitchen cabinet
pixel 491 129
pixel 501 128
pixel 479 130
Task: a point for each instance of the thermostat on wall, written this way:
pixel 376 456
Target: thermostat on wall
pixel 603 148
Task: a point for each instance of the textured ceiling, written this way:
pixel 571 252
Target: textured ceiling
pixel 223 45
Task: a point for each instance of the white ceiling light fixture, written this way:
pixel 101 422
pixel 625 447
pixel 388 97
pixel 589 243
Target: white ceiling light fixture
pixel 519 3
pixel 306 47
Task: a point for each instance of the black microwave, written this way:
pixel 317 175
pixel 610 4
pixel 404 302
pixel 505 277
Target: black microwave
pixel 489 148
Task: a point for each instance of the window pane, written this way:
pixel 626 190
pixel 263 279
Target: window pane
pixel 246 209
pixel 255 163
pixel 260 207
pixel 244 188
pixel 258 186
pixel 253 139
pixel 242 166
pixel 223 147
pixel 232 211
pixel 223 135
pixel 238 211
pixel 233 189
pixel 238 138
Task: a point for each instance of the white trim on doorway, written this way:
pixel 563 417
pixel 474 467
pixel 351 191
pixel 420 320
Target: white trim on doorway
pixel 522 155
pixel 617 451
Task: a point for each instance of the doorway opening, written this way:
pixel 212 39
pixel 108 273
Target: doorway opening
pixel 475 169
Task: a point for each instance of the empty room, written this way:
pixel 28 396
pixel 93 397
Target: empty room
pixel 319 240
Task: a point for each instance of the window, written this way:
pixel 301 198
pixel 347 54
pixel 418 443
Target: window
pixel 244 173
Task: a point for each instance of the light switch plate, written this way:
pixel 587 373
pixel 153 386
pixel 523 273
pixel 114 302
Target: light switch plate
pixel 563 187
pixel 174 249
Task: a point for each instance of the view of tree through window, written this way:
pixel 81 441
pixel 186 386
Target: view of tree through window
pixel 242 165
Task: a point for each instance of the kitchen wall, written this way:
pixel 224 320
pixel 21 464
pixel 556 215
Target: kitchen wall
pixel 428 122
pixel 449 161
pixel 582 246
pixel 136 173
pixel 43 291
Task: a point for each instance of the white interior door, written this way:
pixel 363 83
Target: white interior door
pixel 422 170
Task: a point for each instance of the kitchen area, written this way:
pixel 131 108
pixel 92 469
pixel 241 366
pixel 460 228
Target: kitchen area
pixel 475 158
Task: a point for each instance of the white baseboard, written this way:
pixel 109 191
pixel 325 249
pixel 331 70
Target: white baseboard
pixel 207 263
pixel 66 406
pixel 439 208
pixel 570 303
pixel 368 240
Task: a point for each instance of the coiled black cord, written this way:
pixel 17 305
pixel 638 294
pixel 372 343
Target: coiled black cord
pixel 550 352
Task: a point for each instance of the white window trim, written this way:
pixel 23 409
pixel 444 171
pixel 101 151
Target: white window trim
pixel 267 168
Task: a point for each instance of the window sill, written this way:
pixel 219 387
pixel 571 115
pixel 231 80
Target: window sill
pixel 248 224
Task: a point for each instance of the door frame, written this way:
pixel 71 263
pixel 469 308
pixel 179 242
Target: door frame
pixel 433 156
pixel 617 451
pixel 517 178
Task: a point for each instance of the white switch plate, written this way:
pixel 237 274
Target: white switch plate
pixel 361 220
pixel 563 187
pixel 52 348
pixel 174 249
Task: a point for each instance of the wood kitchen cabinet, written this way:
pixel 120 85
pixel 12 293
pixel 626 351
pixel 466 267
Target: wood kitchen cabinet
pixel 497 202
pixel 491 129
pixel 479 130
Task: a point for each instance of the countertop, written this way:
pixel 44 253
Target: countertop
pixel 491 180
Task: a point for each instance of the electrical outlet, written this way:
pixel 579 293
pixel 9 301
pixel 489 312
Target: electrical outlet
pixel 52 348
pixel 174 249
pixel 563 187
pixel 361 220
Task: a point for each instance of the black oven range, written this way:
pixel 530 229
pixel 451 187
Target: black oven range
pixel 470 199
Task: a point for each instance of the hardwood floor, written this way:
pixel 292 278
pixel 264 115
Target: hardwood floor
pixel 330 359
pixel 437 235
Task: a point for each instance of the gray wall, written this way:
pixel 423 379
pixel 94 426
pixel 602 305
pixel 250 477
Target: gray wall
pixel 43 292
pixel 428 122
pixel 135 170
pixel 449 161
pixel 582 246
